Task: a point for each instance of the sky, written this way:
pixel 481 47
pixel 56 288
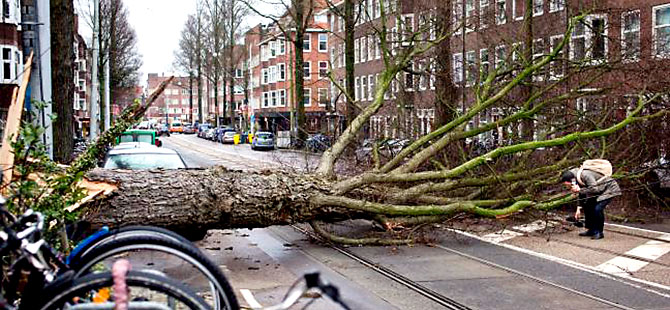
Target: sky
pixel 158 24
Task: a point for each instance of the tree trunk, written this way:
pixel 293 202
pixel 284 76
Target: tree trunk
pixel 445 90
pixel 62 75
pixel 349 24
pixel 299 69
pixel 211 198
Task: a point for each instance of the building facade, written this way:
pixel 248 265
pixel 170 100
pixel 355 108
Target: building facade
pixel 11 54
pixel 271 67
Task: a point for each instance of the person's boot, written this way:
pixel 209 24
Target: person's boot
pixel 588 233
pixel 597 236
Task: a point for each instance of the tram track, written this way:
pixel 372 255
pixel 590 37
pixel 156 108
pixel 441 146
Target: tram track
pixel 442 299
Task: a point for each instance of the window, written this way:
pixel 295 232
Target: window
pixel 661 31
pixel 266 100
pixel 371 46
pixel 407 28
pixel 589 39
pixel 364 49
pixel 630 34
pixel 323 42
pixel 323 96
pixel 9 67
pixel 501 57
pixel 282 46
pixel 266 76
pixel 556 5
pixel 471 72
pixel 457 15
pixel 422 75
pixel 484 63
pixel 307 69
pixel 483 13
pixel 307 42
pixel 282 97
pixel 538 7
pixel 432 74
pixel 538 53
pixel 82 104
pixel 323 69
pixel 341 58
pixel 501 12
pixel 340 24
pixel 469 12
pixel 282 72
pixel 458 67
pixel 378 47
pixel 357 83
pixel 364 87
pixel 273 49
pixel 274 98
pixel 556 66
pixel 307 101
pixel 357 51
pixel 371 86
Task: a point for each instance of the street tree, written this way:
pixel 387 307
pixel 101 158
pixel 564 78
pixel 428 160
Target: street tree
pixel 62 75
pixel 571 122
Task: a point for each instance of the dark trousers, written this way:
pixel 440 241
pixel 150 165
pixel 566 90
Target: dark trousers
pixel 594 214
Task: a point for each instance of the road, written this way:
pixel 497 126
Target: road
pixel 537 265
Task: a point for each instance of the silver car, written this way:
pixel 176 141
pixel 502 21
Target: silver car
pixel 263 140
pixel 142 156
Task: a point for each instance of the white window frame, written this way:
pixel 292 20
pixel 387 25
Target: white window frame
pixel 553 42
pixel 636 55
pixel 483 75
pixel 538 4
pixel 483 16
pixel 282 46
pixel 499 20
pixel 378 47
pixel 357 51
pixel 266 100
pixel 457 15
pixel 371 86
pixel 282 72
pixel 307 37
pixel 273 49
pixel 655 51
pixel 423 82
pixel 541 72
pixel 326 66
pixel 470 80
pixel 588 39
pixel 364 48
pixel 323 38
pixel 407 35
pixel 309 70
pixel 371 46
pixel 273 99
pixel 282 98
pixel 265 76
pixel 457 67
pixel 514 3
pixel 307 93
pixel 357 84
pixel 556 5
pixel 364 87
pixel 498 60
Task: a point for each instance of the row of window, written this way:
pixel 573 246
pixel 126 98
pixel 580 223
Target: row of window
pixel 481 12
pixel 415 125
pixel 277 98
pixel 277 47
pixel 368 10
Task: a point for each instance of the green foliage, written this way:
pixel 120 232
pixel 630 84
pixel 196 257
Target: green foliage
pixel 36 176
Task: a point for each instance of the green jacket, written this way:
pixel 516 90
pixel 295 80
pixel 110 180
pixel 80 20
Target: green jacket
pixel 605 189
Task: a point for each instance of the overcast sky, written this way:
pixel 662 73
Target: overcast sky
pixel 158 24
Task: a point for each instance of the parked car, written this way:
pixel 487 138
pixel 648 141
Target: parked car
pixel 202 130
pixel 176 127
pixel 163 129
pixel 228 137
pixel 144 125
pixel 221 131
pixel 318 143
pixel 188 129
pixel 263 140
pixel 138 156
pixel 210 134
pixel 137 135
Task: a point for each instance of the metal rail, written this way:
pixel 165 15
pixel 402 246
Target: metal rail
pixel 445 301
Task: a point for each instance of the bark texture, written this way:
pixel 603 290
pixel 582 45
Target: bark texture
pixel 62 75
pixel 209 198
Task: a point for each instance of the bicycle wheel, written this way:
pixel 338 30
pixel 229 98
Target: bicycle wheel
pixel 143 287
pixel 173 258
pixel 124 232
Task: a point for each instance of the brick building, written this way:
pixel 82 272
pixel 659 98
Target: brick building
pixel 173 104
pixel 271 67
pixel 632 36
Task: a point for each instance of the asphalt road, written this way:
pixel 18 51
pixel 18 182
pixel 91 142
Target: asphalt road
pixel 514 268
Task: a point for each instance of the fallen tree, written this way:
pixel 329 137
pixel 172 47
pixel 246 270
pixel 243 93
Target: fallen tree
pixel 439 174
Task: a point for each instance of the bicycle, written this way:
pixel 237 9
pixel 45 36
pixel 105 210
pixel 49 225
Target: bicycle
pixel 51 284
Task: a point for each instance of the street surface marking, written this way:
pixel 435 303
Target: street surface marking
pixel 516 231
pixel 250 299
pixel 649 251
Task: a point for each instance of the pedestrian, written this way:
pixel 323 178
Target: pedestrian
pixel 595 188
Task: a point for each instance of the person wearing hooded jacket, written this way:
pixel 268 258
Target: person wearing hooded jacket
pixel 595 193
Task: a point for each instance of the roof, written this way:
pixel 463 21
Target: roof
pixel 139 131
pixel 140 148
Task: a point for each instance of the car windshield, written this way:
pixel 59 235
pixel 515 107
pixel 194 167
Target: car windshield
pixel 126 138
pixel 176 124
pixel 265 135
pixel 144 138
pixel 144 161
